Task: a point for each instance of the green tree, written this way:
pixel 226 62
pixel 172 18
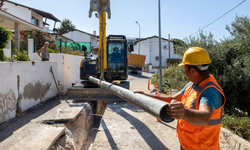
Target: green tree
pixel 172 78
pixel 5 35
pixel 66 25
pixel 230 62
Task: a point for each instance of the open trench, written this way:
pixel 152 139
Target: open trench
pixel 80 133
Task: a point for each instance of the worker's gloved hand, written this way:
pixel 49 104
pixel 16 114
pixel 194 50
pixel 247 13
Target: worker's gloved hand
pixel 176 110
pixel 141 92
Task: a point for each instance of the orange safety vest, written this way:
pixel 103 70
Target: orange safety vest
pixel 193 137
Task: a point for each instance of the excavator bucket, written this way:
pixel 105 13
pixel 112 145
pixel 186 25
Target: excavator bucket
pixel 95 5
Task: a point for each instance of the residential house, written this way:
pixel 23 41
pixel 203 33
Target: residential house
pixel 150 47
pixel 30 14
pixel 19 17
pixel 81 36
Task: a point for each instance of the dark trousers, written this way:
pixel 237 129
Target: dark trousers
pixel 45 59
pixel 181 148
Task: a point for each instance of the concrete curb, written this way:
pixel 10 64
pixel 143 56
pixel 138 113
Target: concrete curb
pixel 235 142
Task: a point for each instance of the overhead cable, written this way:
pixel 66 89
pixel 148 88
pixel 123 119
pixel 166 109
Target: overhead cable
pixel 218 18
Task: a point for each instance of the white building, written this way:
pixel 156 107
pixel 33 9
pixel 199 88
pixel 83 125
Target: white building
pixel 32 15
pixel 150 47
pixel 81 36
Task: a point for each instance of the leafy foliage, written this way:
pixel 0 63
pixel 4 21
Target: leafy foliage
pixel 240 125
pixel 2 56
pixel 5 35
pixel 21 56
pixel 41 38
pixel 230 62
pixel 66 25
pixel 172 78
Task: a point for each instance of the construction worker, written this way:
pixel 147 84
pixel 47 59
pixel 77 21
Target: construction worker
pixel 198 106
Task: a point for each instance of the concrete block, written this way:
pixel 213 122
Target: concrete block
pixel 231 142
pixel 60 87
pixel 237 145
pixel 63 92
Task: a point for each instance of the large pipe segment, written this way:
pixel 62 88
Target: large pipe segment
pixel 156 108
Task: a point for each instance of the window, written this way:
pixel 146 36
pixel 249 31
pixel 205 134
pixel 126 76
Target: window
pixel 116 57
pixel 35 21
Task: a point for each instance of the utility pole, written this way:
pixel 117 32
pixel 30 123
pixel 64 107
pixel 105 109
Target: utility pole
pixel 160 63
pixel 139 37
pixel 169 50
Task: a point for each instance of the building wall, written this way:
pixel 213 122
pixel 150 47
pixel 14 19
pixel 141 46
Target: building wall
pixel 7 50
pixel 67 70
pixel 23 13
pixel 150 48
pixel 8 91
pixel 78 36
pixel 94 42
pixel 23 85
pixel 37 16
pixel 18 11
pixel 71 70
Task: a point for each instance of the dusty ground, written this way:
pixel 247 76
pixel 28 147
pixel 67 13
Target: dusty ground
pixel 123 126
pixel 127 127
pixel 40 126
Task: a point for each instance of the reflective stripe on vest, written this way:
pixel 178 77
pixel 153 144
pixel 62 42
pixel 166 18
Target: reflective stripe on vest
pixel 200 137
pixel 200 89
pixel 216 121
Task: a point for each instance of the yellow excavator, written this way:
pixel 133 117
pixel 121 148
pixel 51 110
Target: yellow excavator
pixel 111 64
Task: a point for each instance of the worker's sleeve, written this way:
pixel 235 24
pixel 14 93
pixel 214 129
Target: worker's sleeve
pixel 211 97
pixel 183 90
pixel 188 84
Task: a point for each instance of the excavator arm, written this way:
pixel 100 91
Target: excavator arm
pixel 102 7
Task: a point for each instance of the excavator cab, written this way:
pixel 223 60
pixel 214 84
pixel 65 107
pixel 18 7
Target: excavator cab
pixel 117 55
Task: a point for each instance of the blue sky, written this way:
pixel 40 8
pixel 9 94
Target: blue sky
pixel 179 18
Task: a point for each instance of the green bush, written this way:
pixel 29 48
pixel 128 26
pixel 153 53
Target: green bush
pixel 5 35
pixel 230 62
pixel 51 50
pixel 240 125
pixel 1 55
pixel 21 56
pixel 172 78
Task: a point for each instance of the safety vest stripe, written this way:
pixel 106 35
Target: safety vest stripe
pixel 211 83
pixel 194 103
pixel 199 89
pixel 217 121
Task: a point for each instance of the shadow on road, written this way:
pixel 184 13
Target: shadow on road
pixel 109 136
pixel 149 137
pixel 139 76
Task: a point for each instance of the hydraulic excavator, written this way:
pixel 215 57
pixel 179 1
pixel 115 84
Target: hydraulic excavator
pixel 99 73
pixel 110 65
pixel 112 62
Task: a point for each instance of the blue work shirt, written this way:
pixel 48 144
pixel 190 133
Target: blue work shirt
pixel 210 96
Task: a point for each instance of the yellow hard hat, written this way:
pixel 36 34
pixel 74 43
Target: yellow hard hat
pixel 195 56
